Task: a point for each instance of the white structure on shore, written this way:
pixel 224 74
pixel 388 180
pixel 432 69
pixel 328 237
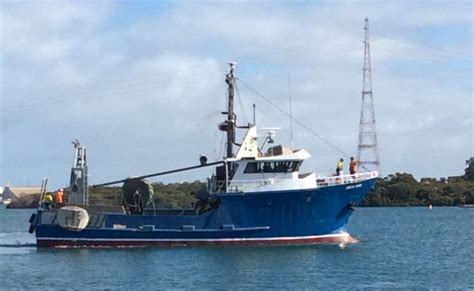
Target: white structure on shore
pixel 15 193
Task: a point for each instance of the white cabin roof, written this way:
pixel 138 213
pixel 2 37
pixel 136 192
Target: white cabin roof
pixel 298 155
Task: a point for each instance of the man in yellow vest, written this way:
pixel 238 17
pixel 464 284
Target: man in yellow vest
pixel 47 200
pixel 340 167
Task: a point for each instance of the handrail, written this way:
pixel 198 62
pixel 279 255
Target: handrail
pixel 44 183
pixel 344 179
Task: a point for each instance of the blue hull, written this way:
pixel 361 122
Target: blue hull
pixel 279 217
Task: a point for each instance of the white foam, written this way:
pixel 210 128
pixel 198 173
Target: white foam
pixel 16 239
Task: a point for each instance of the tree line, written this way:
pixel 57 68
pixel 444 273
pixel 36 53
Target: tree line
pixel 402 189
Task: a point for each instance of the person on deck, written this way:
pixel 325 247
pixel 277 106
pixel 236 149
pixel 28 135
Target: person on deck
pixel 340 167
pixel 59 197
pixel 353 166
pixel 47 200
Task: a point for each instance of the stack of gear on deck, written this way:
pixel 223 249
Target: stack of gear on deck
pixel 136 194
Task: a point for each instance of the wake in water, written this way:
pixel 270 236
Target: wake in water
pixel 16 240
pixel 18 245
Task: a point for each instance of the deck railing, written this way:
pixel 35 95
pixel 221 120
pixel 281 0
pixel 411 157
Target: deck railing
pixel 345 179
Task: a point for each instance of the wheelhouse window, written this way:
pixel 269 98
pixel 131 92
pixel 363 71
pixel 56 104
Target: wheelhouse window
pixel 220 171
pixel 272 167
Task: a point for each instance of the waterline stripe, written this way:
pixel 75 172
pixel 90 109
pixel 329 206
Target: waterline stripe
pixel 198 239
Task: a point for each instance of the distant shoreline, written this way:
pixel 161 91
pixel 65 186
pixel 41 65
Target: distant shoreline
pixel 394 190
pixel 403 190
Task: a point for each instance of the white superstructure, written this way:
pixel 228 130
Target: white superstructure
pixel 253 170
pixel 277 169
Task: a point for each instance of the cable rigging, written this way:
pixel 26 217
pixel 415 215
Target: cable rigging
pixel 292 118
pixel 241 105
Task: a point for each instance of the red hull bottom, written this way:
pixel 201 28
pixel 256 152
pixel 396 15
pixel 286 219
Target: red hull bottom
pixel 343 238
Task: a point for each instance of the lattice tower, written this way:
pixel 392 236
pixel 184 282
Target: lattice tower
pixel 367 150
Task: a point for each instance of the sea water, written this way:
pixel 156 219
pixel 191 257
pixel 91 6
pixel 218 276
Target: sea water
pixel 400 248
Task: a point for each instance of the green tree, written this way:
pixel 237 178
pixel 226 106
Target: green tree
pixel 469 171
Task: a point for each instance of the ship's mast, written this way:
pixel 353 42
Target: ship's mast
pixel 230 122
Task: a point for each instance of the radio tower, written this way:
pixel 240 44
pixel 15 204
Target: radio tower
pixel 367 152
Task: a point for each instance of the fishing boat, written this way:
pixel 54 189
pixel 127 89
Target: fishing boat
pixel 258 195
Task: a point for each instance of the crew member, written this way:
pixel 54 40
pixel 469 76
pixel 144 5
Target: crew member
pixel 352 166
pixel 340 167
pixel 47 200
pixel 59 197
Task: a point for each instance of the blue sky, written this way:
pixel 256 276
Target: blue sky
pixel 140 83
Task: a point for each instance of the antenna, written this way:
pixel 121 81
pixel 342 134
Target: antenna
pixel 367 152
pixel 270 138
pixel 271 133
pixel 291 111
pixel 229 124
pixel 254 119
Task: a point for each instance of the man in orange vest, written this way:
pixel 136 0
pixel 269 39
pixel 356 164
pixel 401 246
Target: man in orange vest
pixel 59 197
pixel 353 166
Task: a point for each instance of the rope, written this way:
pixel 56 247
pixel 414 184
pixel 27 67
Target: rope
pixel 294 119
pixel 221 146
pixel 241 104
